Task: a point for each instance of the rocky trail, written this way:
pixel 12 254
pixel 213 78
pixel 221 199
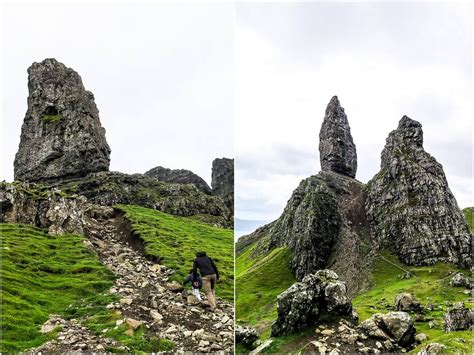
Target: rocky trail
pixel 148 300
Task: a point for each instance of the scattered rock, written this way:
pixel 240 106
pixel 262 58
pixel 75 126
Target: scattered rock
pixel 420 337
pixel 174 286
pixel 262 347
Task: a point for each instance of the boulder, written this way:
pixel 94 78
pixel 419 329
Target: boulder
pixel 410 206
pixel 61 136
pixel 262 347
pixel 245 335
pixel 459 280
pixel 337 151
pixel 179 176
pixel 458 318
pixel 302 305
pixel 397 327
pixel 406 302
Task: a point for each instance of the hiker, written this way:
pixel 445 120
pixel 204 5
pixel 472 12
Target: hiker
pixel 209 274
pixel 196 283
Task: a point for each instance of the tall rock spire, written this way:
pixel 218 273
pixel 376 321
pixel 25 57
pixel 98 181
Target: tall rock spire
pixel 410 206
pixel 61 136
pixel 337 151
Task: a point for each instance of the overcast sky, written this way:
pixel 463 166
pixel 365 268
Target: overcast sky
pixel 382 60
pixel 162 76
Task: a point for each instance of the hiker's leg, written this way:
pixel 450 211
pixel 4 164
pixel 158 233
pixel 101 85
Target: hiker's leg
pixel 197 294
pixel 212 280
pixel 206 284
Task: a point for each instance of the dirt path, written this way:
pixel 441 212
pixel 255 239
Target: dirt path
pixel 149 298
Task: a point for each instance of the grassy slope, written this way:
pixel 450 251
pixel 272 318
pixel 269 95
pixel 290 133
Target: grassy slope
pixel 430 284
pixel 177 239
pixel 41 275
pixel 258 282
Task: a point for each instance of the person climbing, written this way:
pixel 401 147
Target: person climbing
pixel 210 276
pixel 196 283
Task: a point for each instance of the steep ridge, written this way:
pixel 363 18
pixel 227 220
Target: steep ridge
pixel 223 181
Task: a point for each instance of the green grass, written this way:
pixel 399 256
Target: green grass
pixel 430 284
pixel 258 283
pixel 42 275
pixel 468 212
pixel 175 240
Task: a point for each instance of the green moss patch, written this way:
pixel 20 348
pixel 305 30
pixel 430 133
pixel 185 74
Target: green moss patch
pixel 52 118
pixel 42 275
pixel 468 212
pixel 430 284
pixel 175 241
pixel 258 283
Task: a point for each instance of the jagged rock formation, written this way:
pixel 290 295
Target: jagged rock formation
pixel 337 151
pixel 304 303
pixel 324 226
pixel 179 176
pixel 223 181
pixel 61 136
pixel 410 206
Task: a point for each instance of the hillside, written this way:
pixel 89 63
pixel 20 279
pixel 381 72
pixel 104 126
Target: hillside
pixel 42 275
pixel 175 240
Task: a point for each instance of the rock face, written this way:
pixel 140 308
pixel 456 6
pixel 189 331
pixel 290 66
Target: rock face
pixel 302 305
pixel 410 207
pixel 337 151
pixel 223 181
pixel 179 176
pixel 324 226
pixel 61 136
pixel 458 318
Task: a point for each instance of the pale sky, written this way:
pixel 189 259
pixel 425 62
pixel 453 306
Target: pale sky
pixel 162 76
pixel 382 60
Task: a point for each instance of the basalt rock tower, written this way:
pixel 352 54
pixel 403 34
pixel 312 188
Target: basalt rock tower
pixel 61 136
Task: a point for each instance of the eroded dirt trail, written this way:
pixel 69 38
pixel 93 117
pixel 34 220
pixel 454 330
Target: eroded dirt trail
pixel 147 299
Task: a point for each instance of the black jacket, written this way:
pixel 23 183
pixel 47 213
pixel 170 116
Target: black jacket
pixel 195 280
pixel 205 265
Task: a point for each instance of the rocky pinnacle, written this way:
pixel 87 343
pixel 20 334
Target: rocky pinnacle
pixel 337 151
pixel 223 180
pixel 61 136
pixel 410 207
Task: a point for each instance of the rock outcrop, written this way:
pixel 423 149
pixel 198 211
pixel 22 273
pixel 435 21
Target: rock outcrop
pixel 337 151
pixel 410 206
pixel 245 335
pixel 459 280
pixel 223 181
pixel 407 302
pixel 458 318
pixel 179 176
pixel 61 136
pixel 304 303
